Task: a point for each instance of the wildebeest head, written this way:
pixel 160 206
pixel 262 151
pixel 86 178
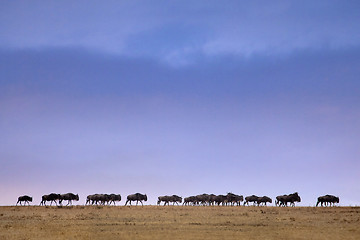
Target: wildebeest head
pixel 336 199
pixel 145 197
pixel 296 197
pixel 77 197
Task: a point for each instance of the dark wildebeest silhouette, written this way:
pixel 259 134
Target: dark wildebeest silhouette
pixel 138 197
pixel 252 198
pixel 220 199
pixel 114 198
pixel 212 198
pixel 264 200
pixel 99 199
pixel 283 200
pixel 52 197
pixel 164 199
pixel 234 199
pixel 168 199
pixel 68 197
pixel 93 199
pixel 189 200
pixel 202 199
pixel 331 199
pixel 25 199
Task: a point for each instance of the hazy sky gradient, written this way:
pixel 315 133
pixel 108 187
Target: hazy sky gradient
pixel 180 98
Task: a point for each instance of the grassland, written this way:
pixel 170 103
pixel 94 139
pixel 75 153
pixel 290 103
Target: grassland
pixel 153 222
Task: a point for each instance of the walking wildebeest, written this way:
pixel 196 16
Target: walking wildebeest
pixel 98 198
pixel 94 198
pixel 114 197
pixel 69 197
pixel 25 199
pixel 202 199
pixel 52 197
pixel 189 200
pixel 264 200
pixel 252 198
pixel 138 197
pixel 164 199
pixel 233 199
pixel 283 200
pixel 220 199
pixel 212 198
pixel 331 199
pixel 167 199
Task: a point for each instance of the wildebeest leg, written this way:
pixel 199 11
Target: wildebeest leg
pixel 141 203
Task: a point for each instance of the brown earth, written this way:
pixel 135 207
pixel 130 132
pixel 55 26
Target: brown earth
pixel 153 222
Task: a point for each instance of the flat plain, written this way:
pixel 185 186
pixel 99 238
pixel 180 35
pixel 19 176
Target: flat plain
pixel 179 222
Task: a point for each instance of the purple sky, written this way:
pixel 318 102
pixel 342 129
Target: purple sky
pixel 180 97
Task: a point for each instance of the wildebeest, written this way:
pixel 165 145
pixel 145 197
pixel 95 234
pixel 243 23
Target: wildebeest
pixel 202 199
pixel 233 199
pixel 69 197
pixel 252 198
pixel 99 199
pixel 212 198
pixel 283 200
pixel 167 199
pixel 220 199
pixel 25 199
pixel 93 199
pixel 138 197
pixel 52 197
pixel 114 198
pixel 189 200
pixel 264 200
pixel 331 199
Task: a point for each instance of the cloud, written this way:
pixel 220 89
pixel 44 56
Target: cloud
pixel 176 32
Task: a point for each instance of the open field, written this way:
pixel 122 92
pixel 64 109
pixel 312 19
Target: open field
pixel 153 222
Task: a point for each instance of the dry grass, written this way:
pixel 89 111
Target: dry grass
pixel 152 222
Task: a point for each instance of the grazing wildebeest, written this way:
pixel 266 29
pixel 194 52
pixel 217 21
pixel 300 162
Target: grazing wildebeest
pixel 138 197
pixel 252 198
pixel 264 200
pixel 331 199
pixel 68 197
pixel 189 200
pixel 283 200
pixel 234 199
pixel 114 197
pixel 25 199
pixel 52 197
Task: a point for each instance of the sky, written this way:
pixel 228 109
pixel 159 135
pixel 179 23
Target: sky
pixel 180 97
